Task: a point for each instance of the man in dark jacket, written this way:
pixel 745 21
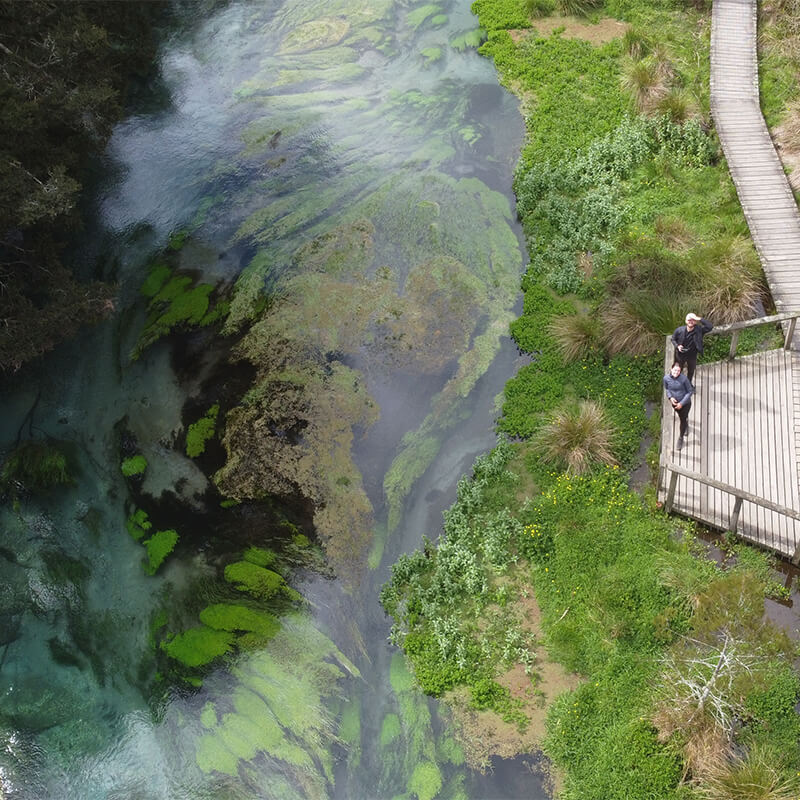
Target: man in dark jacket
pixel 688 341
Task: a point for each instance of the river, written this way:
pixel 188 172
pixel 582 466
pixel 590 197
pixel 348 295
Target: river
pixel 352 163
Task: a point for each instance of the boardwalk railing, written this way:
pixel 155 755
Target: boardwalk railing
pixel 739 495
pixel 734 327
pixel 670 471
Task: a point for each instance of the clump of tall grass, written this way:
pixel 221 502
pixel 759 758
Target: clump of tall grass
pixel 576 335
pixel 635 44
pixel 638 322
pixel 730 279
pixel 752 777
pixel 649 80
pixel 577 8
pixel 674 233
pixel 577 438
pixel 677 104
pixel 539 8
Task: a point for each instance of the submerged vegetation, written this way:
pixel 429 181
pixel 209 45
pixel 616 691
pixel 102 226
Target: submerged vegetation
pixel 630 219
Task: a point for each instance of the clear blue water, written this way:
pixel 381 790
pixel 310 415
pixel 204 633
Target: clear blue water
pixel 311 125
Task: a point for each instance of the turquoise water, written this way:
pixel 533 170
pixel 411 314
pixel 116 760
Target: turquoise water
pixel 286 122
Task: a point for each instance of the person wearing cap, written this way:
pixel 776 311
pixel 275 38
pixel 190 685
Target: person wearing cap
pixel 688 341
pixel 679 393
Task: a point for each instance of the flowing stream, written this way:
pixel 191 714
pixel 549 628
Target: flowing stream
pixel 352 162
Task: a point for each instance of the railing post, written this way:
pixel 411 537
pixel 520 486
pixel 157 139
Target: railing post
pixel 796 556
pixel 737 507
pixel 734 345
pixel 673 483
pixel 787 344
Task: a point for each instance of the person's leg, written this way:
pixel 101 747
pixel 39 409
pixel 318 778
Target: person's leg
pixel 683 415
pixel 691 364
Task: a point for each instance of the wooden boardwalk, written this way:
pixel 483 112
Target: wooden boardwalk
pixel 743 445
pixel 743 429
pixel 764 192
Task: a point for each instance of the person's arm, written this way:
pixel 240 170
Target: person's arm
pixel 706 325
pixel 687 388
pixel 675 338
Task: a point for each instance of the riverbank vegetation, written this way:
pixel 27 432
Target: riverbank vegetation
pixel 631 219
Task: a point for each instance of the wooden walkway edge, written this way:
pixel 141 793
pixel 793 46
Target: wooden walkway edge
pixel 764 192
pixel 740 467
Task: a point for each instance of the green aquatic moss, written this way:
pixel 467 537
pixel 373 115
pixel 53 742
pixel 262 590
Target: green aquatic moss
pixel 159 274
pixel 201 431
pixel 35 465
pixel 230 617
pixel 135 465
pixel 159 546
pixel 255 580
pixel 419 15
pixel 472 38
pixel 177 304
pixel 260 556
pixel 350 722
pixel 198 646
pixel 426 781
pixel 208 716
pixel 432 54
pixel 390 729
pixel 138 524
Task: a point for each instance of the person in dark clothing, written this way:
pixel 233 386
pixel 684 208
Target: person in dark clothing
pixel 688 341
pixel 679 393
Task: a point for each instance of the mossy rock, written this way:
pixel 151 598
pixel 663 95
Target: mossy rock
pixel 135 465
pixel 159 546
pixel 198 646
pixel 260 582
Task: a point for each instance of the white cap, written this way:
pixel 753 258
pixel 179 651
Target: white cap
pixel 694 317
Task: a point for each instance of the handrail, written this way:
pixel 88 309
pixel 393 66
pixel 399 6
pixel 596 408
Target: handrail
pixel 739 494
pixel 734 328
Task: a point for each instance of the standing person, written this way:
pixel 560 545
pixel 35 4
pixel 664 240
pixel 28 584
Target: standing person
pixel 688 341
pixel 679 393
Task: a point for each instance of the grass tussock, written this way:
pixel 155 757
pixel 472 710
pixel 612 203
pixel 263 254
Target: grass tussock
pixel 751 777
pixel 577 335
pixel 577 439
